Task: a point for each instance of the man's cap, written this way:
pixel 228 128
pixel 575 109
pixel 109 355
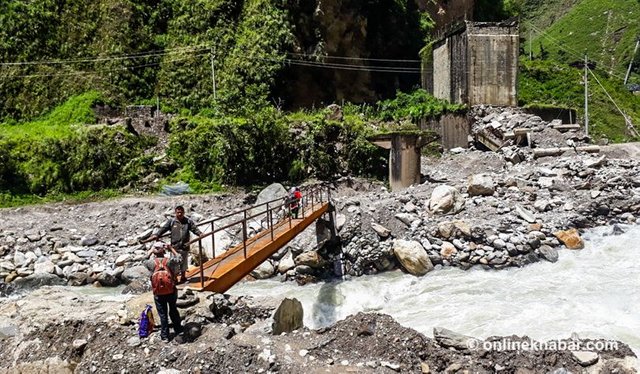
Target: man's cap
pixel 158 248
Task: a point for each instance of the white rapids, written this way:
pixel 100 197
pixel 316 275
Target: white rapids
pixel 594 292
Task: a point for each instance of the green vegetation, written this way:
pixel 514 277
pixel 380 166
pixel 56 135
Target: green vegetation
pixel 59 123
pixel 207 150
pixel 606 31
pixel 415 106
pixel 59 154
pixel 122 52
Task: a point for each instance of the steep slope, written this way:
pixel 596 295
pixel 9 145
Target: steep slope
pixel 606 30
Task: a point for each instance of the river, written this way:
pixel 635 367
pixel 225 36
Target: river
pixel 593 292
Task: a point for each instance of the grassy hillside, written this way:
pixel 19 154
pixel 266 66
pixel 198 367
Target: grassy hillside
pixel 606 30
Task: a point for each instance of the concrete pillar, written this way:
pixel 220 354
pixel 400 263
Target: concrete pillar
pixel 404 157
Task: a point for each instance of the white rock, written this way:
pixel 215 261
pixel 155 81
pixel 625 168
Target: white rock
pixel 412 257
pixel 123 259
pixel 44 267
pixel 585 358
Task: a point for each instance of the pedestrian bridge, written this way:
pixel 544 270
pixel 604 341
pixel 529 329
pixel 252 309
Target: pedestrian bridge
pixel 278 227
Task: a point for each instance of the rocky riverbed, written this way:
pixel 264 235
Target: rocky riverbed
pixel 488 209
pixel 59 330
pixel 474 209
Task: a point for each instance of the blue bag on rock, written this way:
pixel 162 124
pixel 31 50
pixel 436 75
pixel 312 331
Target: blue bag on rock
pixel 146 322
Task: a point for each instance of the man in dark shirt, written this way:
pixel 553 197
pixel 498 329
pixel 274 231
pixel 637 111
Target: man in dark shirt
pixel 180 227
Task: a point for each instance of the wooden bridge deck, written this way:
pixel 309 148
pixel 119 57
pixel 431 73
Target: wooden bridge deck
pixel 222 272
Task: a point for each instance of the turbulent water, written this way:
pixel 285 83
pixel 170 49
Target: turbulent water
pixel 594 292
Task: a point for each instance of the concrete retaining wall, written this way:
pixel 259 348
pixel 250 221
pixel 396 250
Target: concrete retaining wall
pixel 476 63
pixel 454 130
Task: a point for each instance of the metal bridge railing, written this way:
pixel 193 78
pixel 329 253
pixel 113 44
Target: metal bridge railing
pixel 311 197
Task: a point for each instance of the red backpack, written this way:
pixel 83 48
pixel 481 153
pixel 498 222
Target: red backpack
pixel 162 281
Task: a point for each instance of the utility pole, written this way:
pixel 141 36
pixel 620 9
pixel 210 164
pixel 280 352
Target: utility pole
pixel 530 53
pixel 213 72
pixel 586 96
pixel 626 77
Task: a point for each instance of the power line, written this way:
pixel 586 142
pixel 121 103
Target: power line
pixel 353 58
pixel 571 51
pixel 110 58
pixel 624 115
pixel 98 73
pixel 336 66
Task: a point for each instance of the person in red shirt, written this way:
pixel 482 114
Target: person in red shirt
pixel 295 200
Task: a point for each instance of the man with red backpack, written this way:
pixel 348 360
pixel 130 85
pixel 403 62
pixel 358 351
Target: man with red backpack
pixel 163 283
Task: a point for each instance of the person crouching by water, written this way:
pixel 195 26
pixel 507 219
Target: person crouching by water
pixel 180 227
pixel 163 284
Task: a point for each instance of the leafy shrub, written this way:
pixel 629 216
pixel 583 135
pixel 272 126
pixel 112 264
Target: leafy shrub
pixel 414 106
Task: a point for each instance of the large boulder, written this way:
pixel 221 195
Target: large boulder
pixel 286 263
pixel 38 280
pixel 273 191
pixel 445 200
pixel 288 317
pixel 136 272
pixel 311 259
pixel 412 257
pixel 481 185
pixel 108 279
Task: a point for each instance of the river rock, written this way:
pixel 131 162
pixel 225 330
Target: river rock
pixel 412 257
pixel 122 259
pixel 406 218
pixel 341 219
pixel 585 358
pixel 136 272
pixel 108 279
pixel 44 267
pixel 19 259
pixel 263 271
pixel 481 185
pixel 87 254
pixel 382 231
pixel 525 214
pixel 445 229
pixel 288 317
pixel 79 344
pixel 548 253
pixel 450 339
pixel 445 199
pixel 274 191
pixel 310 258
pixel 89 240
pixel 286 263
pixel 137 287
pixel 50 365
pixel 570 238
pixel 39 280
pixel 447 250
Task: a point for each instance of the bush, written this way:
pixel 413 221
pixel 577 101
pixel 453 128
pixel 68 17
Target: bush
pixel 87 159
pixel 414 106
